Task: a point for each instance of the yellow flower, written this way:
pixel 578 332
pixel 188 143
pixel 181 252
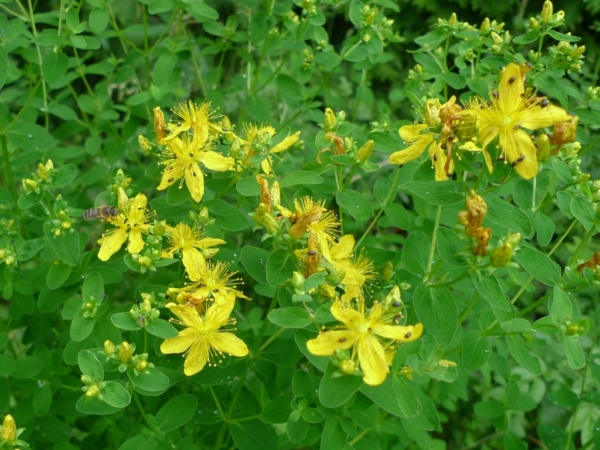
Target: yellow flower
pixel 203 341
pixel 183 157
pixel 362 332
pixel 130 223
pixel 193 117
pixel 256 136
pixel 356 271
pixel 190 242
pixel 511 110
pixel 313 216
pixel 214 281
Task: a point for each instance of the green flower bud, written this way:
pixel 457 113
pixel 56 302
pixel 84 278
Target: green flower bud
pixel 141 365
pixel 453 20
pixel 485 26
pixel 86 379
pixel 109 348
pixel 387 271
pixel 347 367
pixel 93 391
pixel 542 147
pixel 298 280
pixel 327 291
pixel 125 353
pixel 533 23
pixel 144 144
pixel 547 11
pixel 365 152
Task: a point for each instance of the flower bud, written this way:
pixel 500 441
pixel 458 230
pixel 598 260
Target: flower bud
pixel 387 271
pixel 146 307
pixel 93 391
pixel 144 144
pixel 485 26
pixel 533 23
pixel 446 363
pixel 327 291
pixel 86 379
pixel 109 348
pixel 29 185
pixel 347 367
pixel 496 38
pixel 265 193
pixel 225 124
pixel 565 132
pixel 203 215
pixel 160 228
pixel 370 19
pixel 2 253
pixel 275 194
pixel 577 52
pixel 337 276
pixel 393 298
pixel 125 353
pixel 560 15
pixel 365 152
pixel 145 262
pixel 466 128
pixel 330 120
pixel 453 20
pixel 542 147
pixel 271 224
pixel 298 280
pixel 432 112
pixel 9 429
pixel 159 124
pixel 141 365
pixel 547 11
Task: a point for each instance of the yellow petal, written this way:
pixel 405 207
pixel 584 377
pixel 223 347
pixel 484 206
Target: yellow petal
pixel 345 314
pixel 122 200
pixel 439 159
pixel 228 343
pixel 520 152
pixel 538 117
pixel 218 314
pixel 216 161
pixel 187 314
pixel 511 88
pixel 413 152
pixel 329 341
pixel 194 263
pixel 470 146
pixel 344 247
pixel 412 133
pixel 266 165
pixel 194 180
pixel 208 242
pixel 286 143
pixel 171 175
pixel 181 343
pixel 138 206
pixel 399 333
pixel 111 243
pixel 372 361
pixel 196 358
pixel 136 243
pixel 488 161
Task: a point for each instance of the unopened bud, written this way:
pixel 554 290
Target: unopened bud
pixel 275 194
pixel 466 128
pixel 533 23
pixel 496 38
pixel 347 367
pixel 485 26
pixel 160 228
pixel 9 429
pixel 387 271
pixel 565 132
pixel 225 124
pixel 93 391
pixel 86 379
pixel 265 193
pixel 547 11
pixel 298 280
pixel 203 215
pixel 446 363
pixel 330 120
pixel 125 353
pixel 577 52
pixel 365 152
pixel 432 112
pixel 453 20
pixel 394 297
pixel 542 144
pixel 560 15
pixel 146 306
pixel 159 124
pixel 109 348
pixel 29 185
pixel 271 224
pixel 145 261
pixel 327 291
pixel 141 365
pixel 370 19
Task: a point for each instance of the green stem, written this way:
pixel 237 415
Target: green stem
pixel 468 309
pixel 586 238
pixel 39 54
pixel 8 173
pixel 146 54
pixel 271 339
pixel 545 194
pixel 433 240
pixel 216 399
pixel 392 190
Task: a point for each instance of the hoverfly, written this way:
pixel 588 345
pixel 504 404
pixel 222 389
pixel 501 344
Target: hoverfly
pixel 100 213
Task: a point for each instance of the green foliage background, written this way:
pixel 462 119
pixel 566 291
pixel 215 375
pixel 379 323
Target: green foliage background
pixel 80 80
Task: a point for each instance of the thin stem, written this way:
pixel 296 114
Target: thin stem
pixel 271 339
pixel 546 192
pixel 534 192
pixel 216 399
pixel 392 190
pixel 39 54
pixel 434 240
pixel 586 238
pixel 196 67
pixel 468 309
pixel 8 174
pixel 146 54
pixel 364 432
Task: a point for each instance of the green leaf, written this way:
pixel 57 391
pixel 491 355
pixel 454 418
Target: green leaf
pixel 476 350
pixel 57 275
pixel 176 412
pixel 55 66
pixel 516 325
pixel 42 399
pixel 291 317
pixel 27 367
pixel 489 288
pixel 162 329
pixel 3 66
pixel 30 136
pixel 89 365
pixel 563 37
pixel 277 410
pixel 384 396
pixel 572 349
pixel 328 60
pixel 116 395
pixel 228 217
pixel 201 11
pixel 248 187
pixel 65 246
pixel 301 337
pixel 584 211
pixel 93 287
pixel 432 39
pixel 415 253
pixel 490 409
pixel 436 193
pixel 523 355
pixel 561 309
pixel 554 437
pixel 141 441
pixel 124 321
pixel 397 215
pixel 296 429
pixel 98 20
pixel 502 213
pixel 538 265
pixel 254 260
pixel 436 309
pixel 7 365
pixel 163 68
pixel 150 380
pixel 355 203
pixel 280 267
pixel 28 249
pixel 333 436
pixel 253 435
pixel 453 80
pixel 527 38
pixel 81 326
pixel 407 399
pixel 84 42
pixel 448 247
pixel 335 390
pixel 94 406
pixel 301 178
pixel 289 88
